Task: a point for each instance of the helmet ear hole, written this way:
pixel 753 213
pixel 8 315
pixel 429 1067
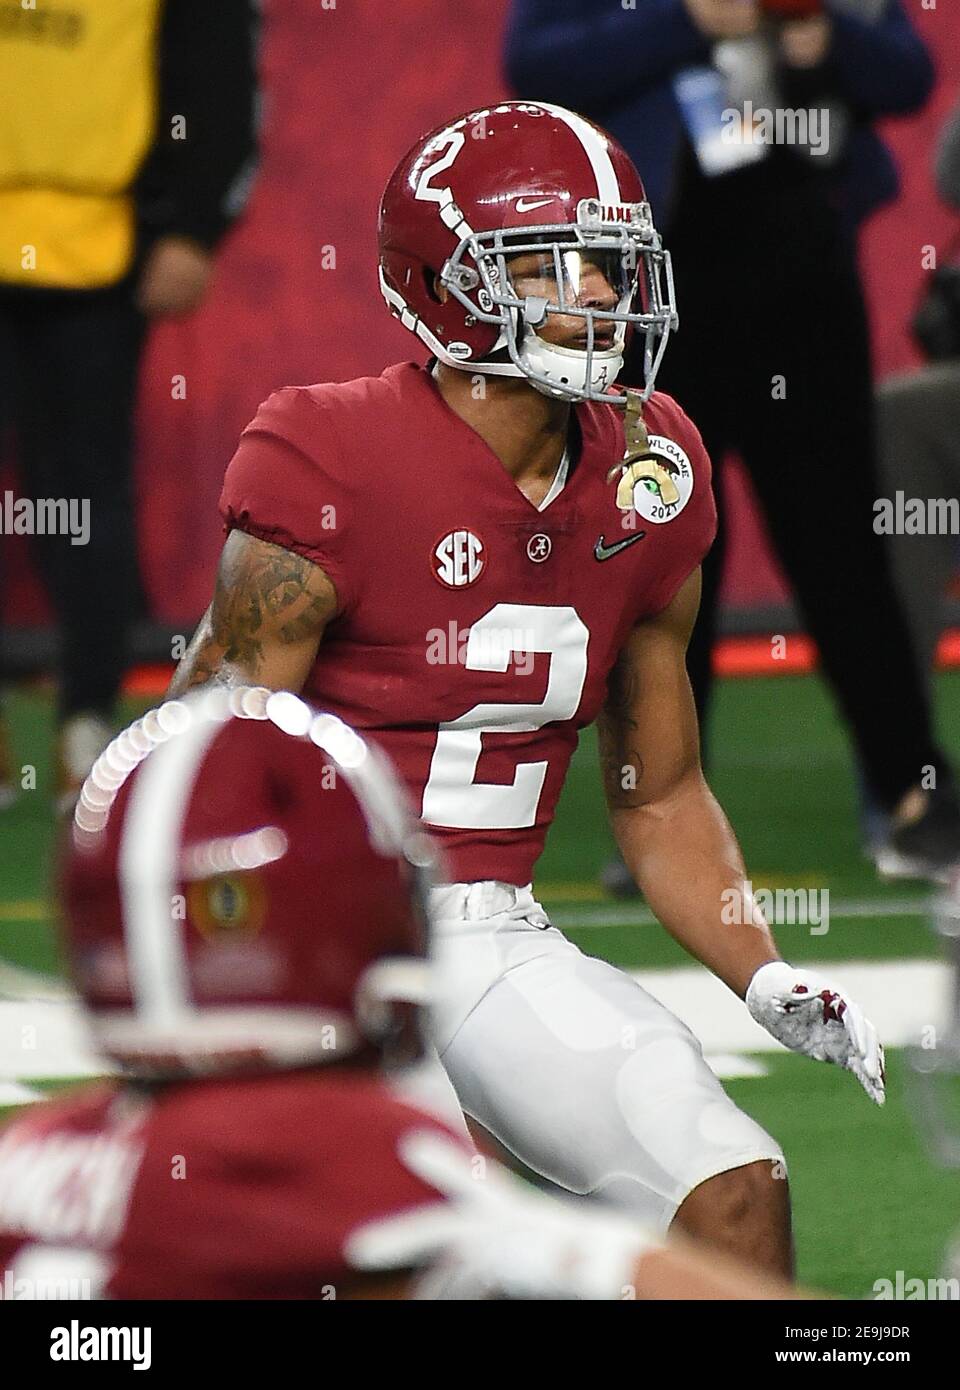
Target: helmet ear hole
pixel 431 281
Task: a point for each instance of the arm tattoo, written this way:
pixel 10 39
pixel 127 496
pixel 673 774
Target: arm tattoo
pixel 264 596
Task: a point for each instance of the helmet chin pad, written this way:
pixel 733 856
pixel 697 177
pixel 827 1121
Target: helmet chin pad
pixel 568 373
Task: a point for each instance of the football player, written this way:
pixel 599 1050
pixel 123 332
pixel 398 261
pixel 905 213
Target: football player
pixel 245 895
pixel 217 850
pixel 473 560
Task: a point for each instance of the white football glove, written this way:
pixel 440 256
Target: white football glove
pixel 806 1013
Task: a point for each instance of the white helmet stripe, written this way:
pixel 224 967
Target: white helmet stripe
pixel 148 870
pixel 608 186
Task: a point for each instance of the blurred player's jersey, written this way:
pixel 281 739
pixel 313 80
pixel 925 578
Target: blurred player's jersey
pixel 216 1189
pixel 475 632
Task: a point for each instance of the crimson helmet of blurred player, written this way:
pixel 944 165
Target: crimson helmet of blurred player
pixel 518 179
pixel 244 887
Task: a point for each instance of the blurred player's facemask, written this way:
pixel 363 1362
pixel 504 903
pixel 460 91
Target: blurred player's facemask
pixel 633 268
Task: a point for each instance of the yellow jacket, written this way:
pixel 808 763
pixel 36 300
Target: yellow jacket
pixel 77 115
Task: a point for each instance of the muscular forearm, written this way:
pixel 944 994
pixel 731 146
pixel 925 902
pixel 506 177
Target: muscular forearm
pixel 205 662
pixel 686 860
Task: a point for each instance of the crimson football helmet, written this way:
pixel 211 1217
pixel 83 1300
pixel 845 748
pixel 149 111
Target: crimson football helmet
pixel 244 886
pixel 517 179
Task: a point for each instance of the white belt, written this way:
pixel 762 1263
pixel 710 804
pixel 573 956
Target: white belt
pixel 476 902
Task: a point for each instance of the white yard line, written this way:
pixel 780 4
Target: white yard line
pixel 901 997
pixel 43 1039
pixel 843 909
pixel 12 1093
pixel 16 983
pixel 46 1039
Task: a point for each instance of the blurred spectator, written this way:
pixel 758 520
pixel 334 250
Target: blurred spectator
pixel 126 151
pixel 750 124
pixel 919 431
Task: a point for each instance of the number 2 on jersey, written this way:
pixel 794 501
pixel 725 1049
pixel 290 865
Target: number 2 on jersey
pixel 451 797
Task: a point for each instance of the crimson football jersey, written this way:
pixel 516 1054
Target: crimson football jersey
pixel 221 1189
pixel 475 632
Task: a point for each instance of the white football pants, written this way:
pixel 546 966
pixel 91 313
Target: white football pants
pixel 571 1065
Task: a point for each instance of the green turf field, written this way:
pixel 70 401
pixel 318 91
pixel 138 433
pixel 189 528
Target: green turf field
pixel 868 1202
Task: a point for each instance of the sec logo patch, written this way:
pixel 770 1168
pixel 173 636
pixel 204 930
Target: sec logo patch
pixel 658 488
pixel 458 559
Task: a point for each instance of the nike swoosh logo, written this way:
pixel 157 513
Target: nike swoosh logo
pixel 603 552
pixel 531 205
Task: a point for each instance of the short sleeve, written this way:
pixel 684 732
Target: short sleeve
pixel 687 537
pixel 287 484
pixel 272 1206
